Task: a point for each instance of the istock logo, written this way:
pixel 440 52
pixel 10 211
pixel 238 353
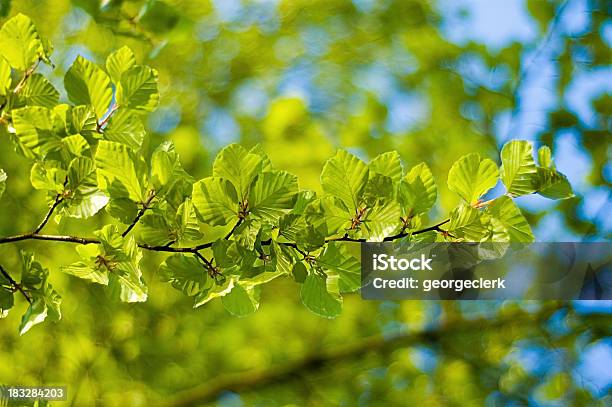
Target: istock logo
pixel 386 262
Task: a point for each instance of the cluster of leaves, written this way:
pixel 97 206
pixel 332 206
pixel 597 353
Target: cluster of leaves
pixel 90 155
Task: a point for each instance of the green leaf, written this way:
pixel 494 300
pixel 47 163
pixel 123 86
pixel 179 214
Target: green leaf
pixel 328 214
pixel 418 191
pixel 545 157
pixel 336 259
pixel 215 291
pixel 241 301
pixel 34 128
pixel 215 200
pixel 553 184
pixel 506 211
pixel 125 127
pixel 3 178
pixel 299 272
pixel 121 257
pixel 273 194
pixel 87 84
pixel 345 176
pixel 75 146
pixel 119 62
pixel 38 91
pixel 138 89
pixel 82 196
pixel 519 172
pixel 266 164
pixel 5 76
pixel 83 120
pixel 123 209
pixel 166 169
pixel 7 299
pixel 379 187
pixel 45 300
pixel 382 220
pixel 89 268
pixel 469 224
pixel 238 167
pixel 317 299
pixel 471 177
pixel 187 221
pixel 185 273
pixel 119 171
pixel 20 43
pixel 45 176
pixel 388 164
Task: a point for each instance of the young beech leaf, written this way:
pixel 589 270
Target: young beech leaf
pixel 381 220
pixel 418 191
pixel 317 298
pixel 519 172
pixel 118 62
pixel 272 194
pixel 471 177
pixel 388 164
pixel 90 267
pixel 121 257
pixel 126 127
pixel 545 158
pixel 215 200
pixel 87 84
pixel 345 176
pixel 506 211
pixel 35 131
pixel 138 89
pixel 119 171
pixel 5 76
pixel 241 301
pixel 216 290
pixel 185 273
pixel 20 43
pixel 38 91
pixel 45 300
pixel 469 224
pixel 551 183
pixel 237 166
pixel 336 259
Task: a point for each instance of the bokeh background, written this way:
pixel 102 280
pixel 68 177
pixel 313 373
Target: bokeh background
pixel 431 79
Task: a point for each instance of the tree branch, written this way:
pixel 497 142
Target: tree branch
pixel 251 380
pixel 15 284
pixel 58 200
pixel 140 213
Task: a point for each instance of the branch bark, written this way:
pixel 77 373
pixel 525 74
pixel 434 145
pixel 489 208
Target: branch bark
pixel 251 380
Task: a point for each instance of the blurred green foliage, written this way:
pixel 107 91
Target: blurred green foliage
pixel 228 75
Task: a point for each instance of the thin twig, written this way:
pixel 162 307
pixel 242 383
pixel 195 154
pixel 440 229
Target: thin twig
pixel 15 285
pixel 58 200
pixel 141 212
pixel 231 232
pixel 25 77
